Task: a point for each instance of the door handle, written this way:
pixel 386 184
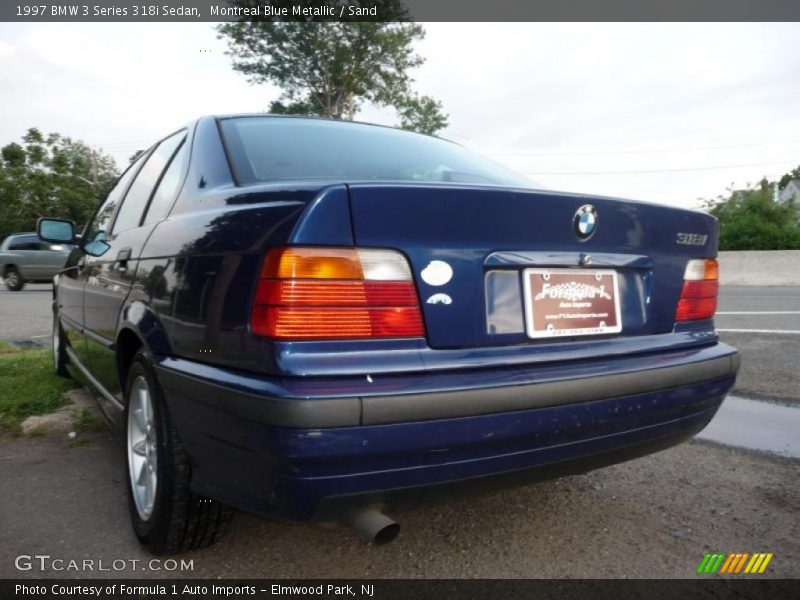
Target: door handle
pixel 123 256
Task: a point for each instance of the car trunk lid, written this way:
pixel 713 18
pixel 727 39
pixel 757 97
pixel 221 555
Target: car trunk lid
pixel 470 248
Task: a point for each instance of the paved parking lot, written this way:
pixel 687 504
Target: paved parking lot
pixel 26 314
pixel 764 324
pixel 653 517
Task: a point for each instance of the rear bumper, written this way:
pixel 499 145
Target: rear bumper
pixel 351 401
pixel 297 448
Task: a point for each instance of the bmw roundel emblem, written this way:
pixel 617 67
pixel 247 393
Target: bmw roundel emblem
pixel 585 221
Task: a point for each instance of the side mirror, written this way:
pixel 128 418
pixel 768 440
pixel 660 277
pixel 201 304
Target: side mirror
pixel 56 231
pixel 96 247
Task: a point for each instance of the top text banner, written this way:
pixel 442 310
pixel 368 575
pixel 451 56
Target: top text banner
pixel 398 10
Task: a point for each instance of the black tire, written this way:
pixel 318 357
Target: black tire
pixel 60 357
pixel 13 279
pixel 180 520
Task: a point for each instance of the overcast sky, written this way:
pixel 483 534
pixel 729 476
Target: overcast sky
pixel 646 111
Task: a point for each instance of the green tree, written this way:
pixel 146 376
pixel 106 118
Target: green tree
pixel 52 176
pixel 422 114
pixel 750 219
pixel 331 68
pixel 784 181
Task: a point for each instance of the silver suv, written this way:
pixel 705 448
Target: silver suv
pixel 26 258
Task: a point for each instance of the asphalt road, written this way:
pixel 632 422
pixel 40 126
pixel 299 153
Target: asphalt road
pixel 652 517
pixel 26 315
pixel 764 324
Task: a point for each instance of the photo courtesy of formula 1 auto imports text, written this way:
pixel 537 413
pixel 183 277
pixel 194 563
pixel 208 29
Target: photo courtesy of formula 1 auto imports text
pixel 390 299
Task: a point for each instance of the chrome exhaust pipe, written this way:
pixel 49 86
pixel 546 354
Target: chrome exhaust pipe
pixel 372 524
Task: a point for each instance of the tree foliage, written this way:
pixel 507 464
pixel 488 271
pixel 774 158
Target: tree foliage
pixel 422 114
pixel 784 181
pixel 50 175
pixel 330 68
pixel 750 219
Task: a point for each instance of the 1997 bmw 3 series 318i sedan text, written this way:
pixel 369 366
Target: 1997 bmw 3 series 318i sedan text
pixel 311 319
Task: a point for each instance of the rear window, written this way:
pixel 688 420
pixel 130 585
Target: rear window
pixel 266 149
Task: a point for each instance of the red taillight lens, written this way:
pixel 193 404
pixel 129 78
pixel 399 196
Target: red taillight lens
pixel 336 323
pixel 700 288
pixel 695 309
pixel 335 293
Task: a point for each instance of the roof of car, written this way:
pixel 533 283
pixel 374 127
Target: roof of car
pixel 319 118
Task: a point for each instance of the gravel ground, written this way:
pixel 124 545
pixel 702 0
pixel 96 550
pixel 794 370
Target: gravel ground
pixel 770 365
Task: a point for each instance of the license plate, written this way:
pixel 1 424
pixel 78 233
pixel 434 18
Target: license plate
pixel 571 302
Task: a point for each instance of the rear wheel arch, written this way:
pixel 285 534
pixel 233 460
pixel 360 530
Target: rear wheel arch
pixel 11 267
pixel 18 281
pixel 128 345
pixel 139 327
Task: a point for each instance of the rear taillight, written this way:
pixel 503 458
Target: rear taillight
pixel 335 293
pixel 700 289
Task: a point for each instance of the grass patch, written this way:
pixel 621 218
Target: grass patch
pixel 84 417
pixel 35 432
pixel 28 385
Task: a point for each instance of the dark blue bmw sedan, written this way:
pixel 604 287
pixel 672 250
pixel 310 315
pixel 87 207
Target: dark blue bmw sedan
pixel 314 319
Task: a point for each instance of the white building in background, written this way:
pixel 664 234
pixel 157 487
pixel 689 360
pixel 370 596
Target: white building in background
pixel 792 190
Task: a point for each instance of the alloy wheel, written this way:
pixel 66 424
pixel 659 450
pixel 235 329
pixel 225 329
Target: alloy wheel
pixel 142 448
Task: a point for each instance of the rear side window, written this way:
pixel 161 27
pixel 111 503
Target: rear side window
pixel 26 243
pixel 168 186
pixel 142 187
pixel 273 149
pixel 104 214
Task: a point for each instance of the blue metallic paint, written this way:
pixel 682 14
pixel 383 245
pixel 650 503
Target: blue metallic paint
pixel 291 472
pixel 465 225
pixel 195 278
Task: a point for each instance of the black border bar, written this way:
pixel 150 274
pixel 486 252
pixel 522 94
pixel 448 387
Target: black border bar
pixel 394 10
pixel 418 589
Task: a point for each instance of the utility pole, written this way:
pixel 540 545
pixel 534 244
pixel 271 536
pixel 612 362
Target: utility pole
pixel 94 167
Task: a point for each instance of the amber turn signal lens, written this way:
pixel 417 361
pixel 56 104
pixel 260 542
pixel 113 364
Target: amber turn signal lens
pixel 711 269
pixel 312 263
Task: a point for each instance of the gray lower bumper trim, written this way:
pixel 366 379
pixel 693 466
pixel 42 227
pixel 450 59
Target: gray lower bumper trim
pixel 375 410
pixel 417 407
pixel 280 412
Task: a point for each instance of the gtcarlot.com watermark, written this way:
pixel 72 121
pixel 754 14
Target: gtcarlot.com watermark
pixel 45 562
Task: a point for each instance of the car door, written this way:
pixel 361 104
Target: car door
pixel 108 275
pixel 54 256
pixel 71 281
pixel 28 256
